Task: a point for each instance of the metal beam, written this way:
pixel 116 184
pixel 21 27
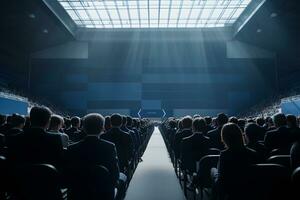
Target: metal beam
pixel 249 12
pixel 61 15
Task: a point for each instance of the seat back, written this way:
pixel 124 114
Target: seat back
pixel 284 160
pixel 37 181
pixel 89 183
pixel 268 182
pixel 204 170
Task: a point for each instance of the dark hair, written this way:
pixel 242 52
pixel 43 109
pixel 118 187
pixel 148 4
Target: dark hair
pixel 208 120
pixel 279 120
pixel 124 120
pixel 222 119
pixel 187 122
pixel 40 116
pixel 260 121
pixel 233 120
pixel 199 124
pixel 93 123
pixel 75 121
pixel 107 123
pixel 241 123
pixel 55 121
pixel 116 120
pixel 173 124
pixel 17 120
pixel 252 132
pixel 67 122
pixel 232 136
pixel 291 121
pixel 129 121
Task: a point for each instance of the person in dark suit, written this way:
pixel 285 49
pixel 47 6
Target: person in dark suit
pixel 36 145
pixel 215 135
pixel 186 131
pixel 280 138
pixel 17 125
pixel 92 150
pixel 293 126
pixel 194 147
pixel 234 163
pixel 74 132
pixel 121 139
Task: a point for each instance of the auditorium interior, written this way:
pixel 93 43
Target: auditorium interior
pixel 150 100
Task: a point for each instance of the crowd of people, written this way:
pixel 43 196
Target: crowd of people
pixel 240 144
pixel 114 142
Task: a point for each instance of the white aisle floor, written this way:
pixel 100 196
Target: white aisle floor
pixel 154 178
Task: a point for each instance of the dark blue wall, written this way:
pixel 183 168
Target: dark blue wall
pixel 179 77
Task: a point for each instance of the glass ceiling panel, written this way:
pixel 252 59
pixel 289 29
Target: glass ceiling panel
pixel 154 13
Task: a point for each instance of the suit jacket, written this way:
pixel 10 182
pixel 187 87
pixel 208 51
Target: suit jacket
pixel 280 138
pixel 178 139
pixel 93 151
pixel 133 137
pixel 193 148
pixel 35 145
pixel 123 143
pixel 215 138
pixel 75 135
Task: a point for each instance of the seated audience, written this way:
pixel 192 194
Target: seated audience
pixel 194 147
pixel 107 123
pixel 92 150
pixel 293 126
pixel 215 135
pixel 233 164
pixel 17 125
pixel 281 137
pixel 36 145
pixel 56 124
pixel 74 131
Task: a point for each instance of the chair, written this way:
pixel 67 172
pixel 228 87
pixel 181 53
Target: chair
pixel 214 151
pixel 3 177
pixel 268 182
pixel 284 160
pixel 89 183
pixel 203 177
pixel 37 181
pixel 296 181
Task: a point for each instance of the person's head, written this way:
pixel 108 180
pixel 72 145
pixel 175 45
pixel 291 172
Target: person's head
pixel 129 121
pixel 252 131
pixel 196 116
pixel 107 123
pixel 221 119
pixel 233 120
pixel 56 123
pixel 75 122
pixel 124 120
pixel 187 122
pixel 241 123
pixel 18 121
pixel 199 125
pixel 173 124
pixel 40 117
pixel 67 123
pixel 291 121
pixel 93 124
pixel 260 121
pixel 2 119
pixel 269 121
pixel 208 120
pixel 279 120
pixel 232 136
pixel 116 120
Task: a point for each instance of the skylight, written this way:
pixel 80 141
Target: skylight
pixel 154 13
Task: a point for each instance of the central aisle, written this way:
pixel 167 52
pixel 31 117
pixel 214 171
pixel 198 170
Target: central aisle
pixel 155 179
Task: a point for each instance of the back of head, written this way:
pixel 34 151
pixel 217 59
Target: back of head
pixel 208 120
pixel 187 122
pixel 93 123
pixel 124 120
pixel 172 124
pixel 279 120
pixel 56 122
pixel 241 123
pixel 260 121
pixel 129 121
pixel 199 125
pixel 40 116
pixel 17 121
pixel 67 122
pixel 252 132
pixel 233 120
pixel 291 121
pixel 75 121
pixel 116 120
pixel 107 123
pixel 222 119
pixel 232 136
